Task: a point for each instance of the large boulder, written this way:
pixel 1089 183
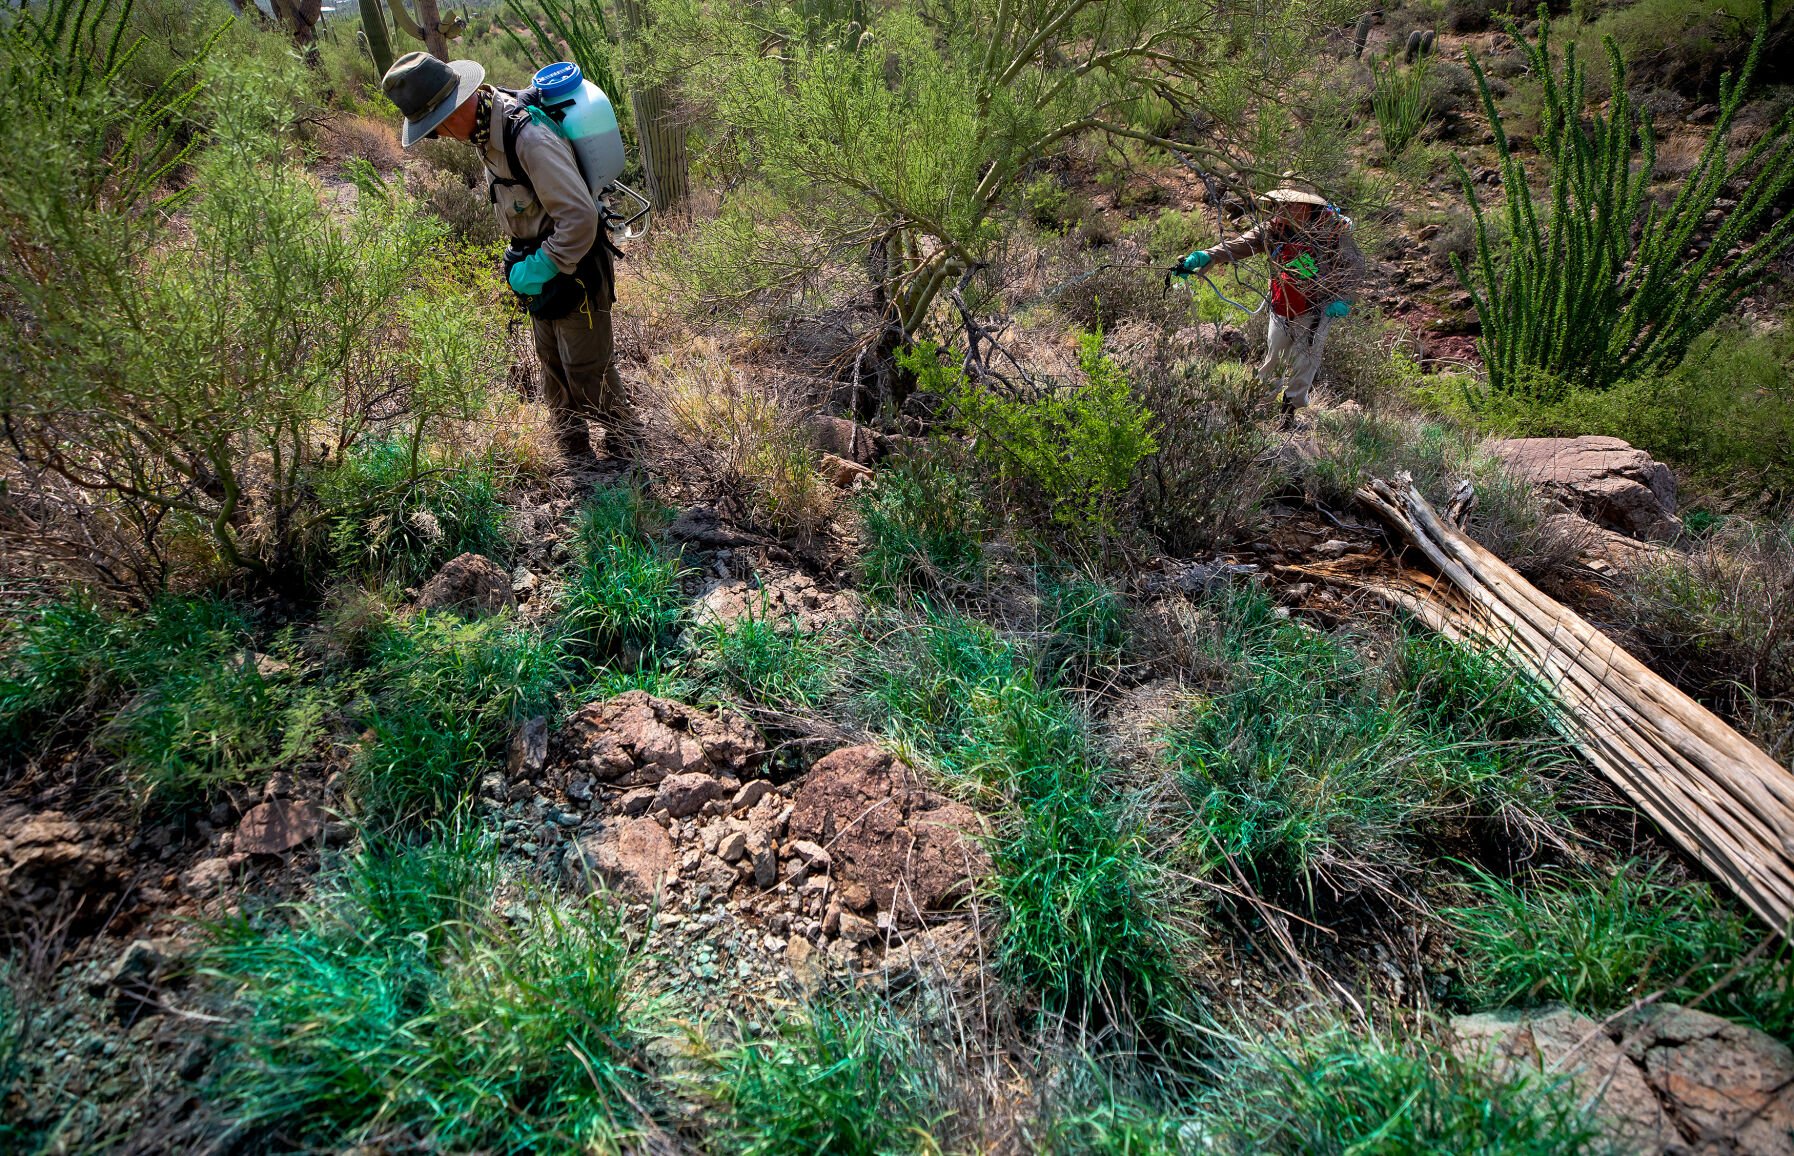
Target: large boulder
pixel 1554 1041
pixel 914 850
pixel 636 740
pixel 1662 1080
pixel 470 583
pixel 1605 478
pixel 1729 1088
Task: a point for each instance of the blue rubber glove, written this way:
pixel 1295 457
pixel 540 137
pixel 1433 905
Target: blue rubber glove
pixel 1338 308
pixel 1194 263
pixel 530 274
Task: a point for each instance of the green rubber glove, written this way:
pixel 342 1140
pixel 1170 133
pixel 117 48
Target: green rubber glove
pixel 1338 308
pixel 530 274
pixel 1194 263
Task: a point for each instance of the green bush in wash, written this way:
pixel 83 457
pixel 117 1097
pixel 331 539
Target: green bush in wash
pixel 1597 284
pixel 1070 452
pixel 397 1004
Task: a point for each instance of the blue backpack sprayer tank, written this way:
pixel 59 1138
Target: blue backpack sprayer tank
pixel 587 119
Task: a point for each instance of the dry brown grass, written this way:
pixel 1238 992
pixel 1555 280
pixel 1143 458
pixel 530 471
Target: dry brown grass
pixel 362 137
pixel 739 437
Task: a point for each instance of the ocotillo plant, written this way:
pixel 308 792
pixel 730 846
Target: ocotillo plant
pixel 1402 100
pixel 1598 284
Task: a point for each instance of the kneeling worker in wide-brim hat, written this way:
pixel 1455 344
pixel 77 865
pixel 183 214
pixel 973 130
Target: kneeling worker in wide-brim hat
pixel 1316 274
pixel 560 261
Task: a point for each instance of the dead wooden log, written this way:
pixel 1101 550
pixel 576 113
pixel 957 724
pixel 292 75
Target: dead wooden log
pixel 1709 788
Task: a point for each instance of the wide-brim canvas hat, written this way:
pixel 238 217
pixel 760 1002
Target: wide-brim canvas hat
pixel 428 91
pixel 1292 191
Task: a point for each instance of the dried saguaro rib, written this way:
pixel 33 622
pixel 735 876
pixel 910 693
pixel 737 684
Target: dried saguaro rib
pixel 1716 794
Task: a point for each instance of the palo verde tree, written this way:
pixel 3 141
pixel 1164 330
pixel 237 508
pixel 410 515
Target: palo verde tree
pixel 1596 282
pixel 905 127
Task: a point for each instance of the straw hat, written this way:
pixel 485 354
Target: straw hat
pixel 1292 191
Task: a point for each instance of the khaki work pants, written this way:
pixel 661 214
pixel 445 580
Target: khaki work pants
pixel 579 378
pixel 1293 353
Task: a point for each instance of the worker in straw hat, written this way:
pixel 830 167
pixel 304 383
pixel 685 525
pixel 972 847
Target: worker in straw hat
pixel 1316 270
pixel 560 260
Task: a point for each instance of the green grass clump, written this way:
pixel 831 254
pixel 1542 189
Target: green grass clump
pixel 775 664
pixel 445 695
pixel 1081 926
pixel 923 525
pixel 1330 1092
pixel 1085 619
pixel 396 1008
pixel 837 1080
pixel 1311 769
pixel 397 520
pixel 625 589
pixel 172 693
pixel 1598 946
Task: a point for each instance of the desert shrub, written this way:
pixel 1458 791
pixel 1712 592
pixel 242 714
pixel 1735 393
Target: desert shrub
pixel 1717 622
pixel 775 664
pixel 462 208
pixel 923 525
pixel 1213 466
pixel 1068 454
pixel 1081 929
pixel 1686 46
pixel 625 589
pixel 397 519
pixel 397 1003
pixel 1318 775
pixel 1568 303
pixel 1725 416
pixel 834 1079
pixel 442 697
pixel 267 330
pixel 1599 945
pixel 1510 517
pixel 1319 1088
pixel 174 694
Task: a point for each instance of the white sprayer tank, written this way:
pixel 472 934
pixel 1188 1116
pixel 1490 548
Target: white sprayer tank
pixel 588 122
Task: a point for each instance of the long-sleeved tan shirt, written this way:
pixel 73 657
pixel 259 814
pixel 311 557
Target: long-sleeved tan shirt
pixel 1312 264
pixel 561 210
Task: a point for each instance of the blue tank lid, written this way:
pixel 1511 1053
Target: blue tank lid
pixel 558 79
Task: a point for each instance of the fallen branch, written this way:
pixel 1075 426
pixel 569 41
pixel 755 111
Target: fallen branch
pixel 1710 789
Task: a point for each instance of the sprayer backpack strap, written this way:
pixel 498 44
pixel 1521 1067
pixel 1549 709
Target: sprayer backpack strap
pixel 518 119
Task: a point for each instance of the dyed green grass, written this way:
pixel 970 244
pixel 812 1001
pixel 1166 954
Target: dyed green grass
pixel 396 520
pixel 1081 927
pixel 1599 945
pixel 625 589
pixel 770 663
pixel 835 1079
pixel 923 526
pixel 397 1008
pixel 1316 773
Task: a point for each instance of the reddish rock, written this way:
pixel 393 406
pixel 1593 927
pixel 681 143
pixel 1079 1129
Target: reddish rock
pixel 841 438
pixel 636 740
pixel 471 583
pixel 685 794
pixel 632 857
pixel 1605 478
pixel 279 825
pixel 843 474
pixel 528 750
pixel 913 849
pixel 51 857
pixel 1729 1088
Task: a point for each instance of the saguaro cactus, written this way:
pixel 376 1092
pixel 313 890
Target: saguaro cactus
pixel 427 26
pixel 373 27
